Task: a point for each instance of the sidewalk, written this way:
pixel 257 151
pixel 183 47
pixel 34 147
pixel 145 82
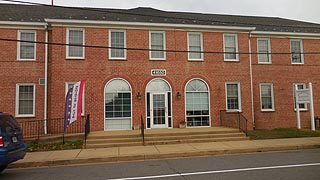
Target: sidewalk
pixel 120 154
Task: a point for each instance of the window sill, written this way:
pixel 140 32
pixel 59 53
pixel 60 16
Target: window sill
pixel 157 59
pixel 268 110
pixel 265 63
pixel 25 116
pixel 117 59
pixel 196 60
pixel 297 63
pixel 301 110
pixel 26 60
pixel 233 111
pixel 75 58
pixel 231 60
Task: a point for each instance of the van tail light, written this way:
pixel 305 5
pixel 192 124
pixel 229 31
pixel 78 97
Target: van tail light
pixel 1 142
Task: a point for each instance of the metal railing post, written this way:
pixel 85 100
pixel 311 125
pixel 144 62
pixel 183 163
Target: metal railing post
pixel 142 129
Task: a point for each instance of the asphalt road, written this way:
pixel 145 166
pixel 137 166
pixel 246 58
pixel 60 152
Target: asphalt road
pixel 293 165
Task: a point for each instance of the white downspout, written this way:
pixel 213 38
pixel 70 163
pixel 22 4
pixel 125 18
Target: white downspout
pixel 46 81
pixel 251 83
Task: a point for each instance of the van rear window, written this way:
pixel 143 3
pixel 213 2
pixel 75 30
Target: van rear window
pixel 8 123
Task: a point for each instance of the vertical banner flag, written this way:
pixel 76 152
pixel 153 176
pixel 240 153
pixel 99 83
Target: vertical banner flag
pixel 73 105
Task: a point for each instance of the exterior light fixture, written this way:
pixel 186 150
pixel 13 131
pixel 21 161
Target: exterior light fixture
pixel 139 95
pixel 178 95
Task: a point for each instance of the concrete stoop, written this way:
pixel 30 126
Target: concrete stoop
pixel 109 139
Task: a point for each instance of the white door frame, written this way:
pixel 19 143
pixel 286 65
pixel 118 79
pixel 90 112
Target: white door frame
pixel 152 125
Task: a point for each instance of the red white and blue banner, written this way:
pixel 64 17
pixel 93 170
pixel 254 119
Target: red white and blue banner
pixel 73 105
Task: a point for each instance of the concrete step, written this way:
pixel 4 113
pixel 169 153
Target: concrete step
pixel 115 140
pixel 194 136
pixel 157 137
pixel 191 133
pixel 181 141
pixel 109 145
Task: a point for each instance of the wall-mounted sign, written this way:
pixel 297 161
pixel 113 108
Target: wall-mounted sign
pixel 158 72
pixel 303 96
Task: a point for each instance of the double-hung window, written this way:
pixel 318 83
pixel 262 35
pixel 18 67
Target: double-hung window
pixel 264 51
pixel 25 100
pixel 296 52
pixel 302 106
pixel 68 86
pixel 157 45
pixel 75 39
pixel 267 97
pixel 233 96
pixel 230 47
pixel 117 44
pixel 26 46
pixel 195 46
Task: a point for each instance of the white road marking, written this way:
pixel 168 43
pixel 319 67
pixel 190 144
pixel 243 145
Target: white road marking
pixel 218 171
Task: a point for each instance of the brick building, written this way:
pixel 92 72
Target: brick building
pixel 167 67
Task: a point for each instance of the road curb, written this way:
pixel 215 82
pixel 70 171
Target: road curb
pixel 173 155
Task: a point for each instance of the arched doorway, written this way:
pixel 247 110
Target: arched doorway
pixel 158 104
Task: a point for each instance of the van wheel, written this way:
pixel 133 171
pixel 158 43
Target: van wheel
pixel 3 167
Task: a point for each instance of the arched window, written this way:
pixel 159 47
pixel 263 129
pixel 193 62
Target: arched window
pixel 197 103
pixel 117 105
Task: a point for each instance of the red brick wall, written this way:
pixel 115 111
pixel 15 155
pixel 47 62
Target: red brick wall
pixel 13 71
pixel 283 75
pixel 97 70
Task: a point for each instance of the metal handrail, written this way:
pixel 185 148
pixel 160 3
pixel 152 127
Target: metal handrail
pixel 86 129
pixel 55 127
pixel 142 129
pixel 234 120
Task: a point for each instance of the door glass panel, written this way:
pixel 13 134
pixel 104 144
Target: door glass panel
pixel 159 109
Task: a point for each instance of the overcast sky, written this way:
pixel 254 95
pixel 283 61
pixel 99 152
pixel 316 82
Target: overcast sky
pixel 306 10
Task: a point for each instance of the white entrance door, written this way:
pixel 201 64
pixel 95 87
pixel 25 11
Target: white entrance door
pixel 159 110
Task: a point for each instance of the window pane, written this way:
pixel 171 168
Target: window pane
pixel 26 99
pixel 296 51
pixel 195 46
pixel 230 47
pixel 157 43
pixel 76 38
pixel 266 96
pixel 117 41
pixel 233 101
pixel 27 48
pixel 263 49
pixel 197 104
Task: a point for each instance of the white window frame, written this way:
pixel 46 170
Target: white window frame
pixel 239 97
pixel 269 50
pixel 125 44
pixel 237 48
pixel 185 101
pixel 201 46
pixel 294 99
pixel 83 96
pixel 19 44
pixel 83 43
pixel 272 97
pixel 164 45
pixel 17 100
pixel 104 92
pixel 301 50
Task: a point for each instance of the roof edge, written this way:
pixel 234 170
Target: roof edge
pixel 285 33
pixel 163 25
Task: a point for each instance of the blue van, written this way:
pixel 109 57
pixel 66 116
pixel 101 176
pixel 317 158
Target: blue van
pixel 11 146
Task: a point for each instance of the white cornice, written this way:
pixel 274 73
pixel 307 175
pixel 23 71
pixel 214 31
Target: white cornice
pixel 22 25
pixel 63 22
pixel 285 34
